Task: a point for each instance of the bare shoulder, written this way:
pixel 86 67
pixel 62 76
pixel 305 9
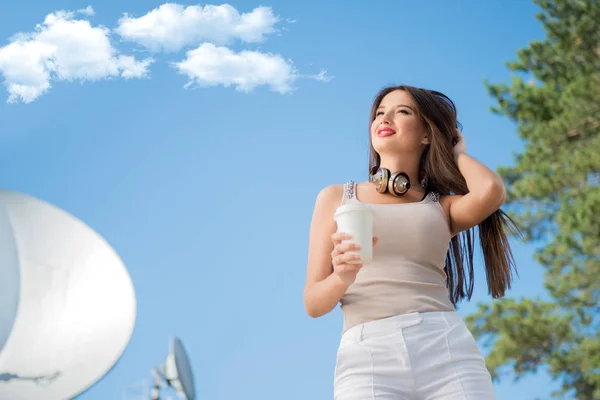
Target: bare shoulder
pixel 330 196
pixel 327 201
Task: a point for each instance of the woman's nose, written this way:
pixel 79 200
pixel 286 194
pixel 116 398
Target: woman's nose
pixel 384 119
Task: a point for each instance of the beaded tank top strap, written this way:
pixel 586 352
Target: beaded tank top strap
pixel 433 196
pixel 349 192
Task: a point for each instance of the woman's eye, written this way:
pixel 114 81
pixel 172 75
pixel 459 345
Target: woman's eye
pixel 403 111
pixel 378 113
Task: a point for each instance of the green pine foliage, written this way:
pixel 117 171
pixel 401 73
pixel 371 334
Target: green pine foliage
pixel 554 195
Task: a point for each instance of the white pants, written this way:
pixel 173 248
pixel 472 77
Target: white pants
pixel 417 356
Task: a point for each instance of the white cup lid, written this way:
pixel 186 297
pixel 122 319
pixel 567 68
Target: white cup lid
pixel 346 208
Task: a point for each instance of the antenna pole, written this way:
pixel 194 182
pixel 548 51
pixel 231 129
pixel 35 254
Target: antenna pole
pixel 158 378
pixel 155 392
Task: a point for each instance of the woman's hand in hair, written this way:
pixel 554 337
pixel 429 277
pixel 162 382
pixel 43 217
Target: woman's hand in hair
pixel 486 192
pixel 460 146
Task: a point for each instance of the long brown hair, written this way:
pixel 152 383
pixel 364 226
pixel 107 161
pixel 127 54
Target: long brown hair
pixel 437 164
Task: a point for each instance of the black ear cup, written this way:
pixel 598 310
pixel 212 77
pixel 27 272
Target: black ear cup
pixel 398 184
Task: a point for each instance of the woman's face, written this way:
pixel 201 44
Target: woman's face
pixel 397 127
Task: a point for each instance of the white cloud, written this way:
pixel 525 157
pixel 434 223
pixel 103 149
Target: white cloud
pixel 209 65
pixel 89 11
pixel 66 47
pixel 172 27
pixel 63 48
pixel 322 76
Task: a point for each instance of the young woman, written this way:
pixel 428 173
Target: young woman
pixel 402 337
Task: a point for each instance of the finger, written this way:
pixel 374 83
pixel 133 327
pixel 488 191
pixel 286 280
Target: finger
pixel 335 260
pixel 337 237
pixel 340 248
pixel 348 258
pixel 345 258
pixel 335 252
pixel 347 246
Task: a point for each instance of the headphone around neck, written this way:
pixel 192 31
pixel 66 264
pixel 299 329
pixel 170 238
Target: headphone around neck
pixel 396 184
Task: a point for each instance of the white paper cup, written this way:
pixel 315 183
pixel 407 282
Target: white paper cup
pixel 357 221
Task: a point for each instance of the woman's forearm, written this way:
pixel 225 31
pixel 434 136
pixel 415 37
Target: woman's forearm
pixel 481 180
pixel 322 297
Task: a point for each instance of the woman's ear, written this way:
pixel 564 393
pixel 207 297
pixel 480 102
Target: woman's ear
pixel 427 135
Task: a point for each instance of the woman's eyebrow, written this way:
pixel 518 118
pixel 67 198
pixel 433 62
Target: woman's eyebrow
pixel 399 105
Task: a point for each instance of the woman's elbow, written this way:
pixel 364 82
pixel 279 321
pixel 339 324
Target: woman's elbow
pixel 310 308
pixel 496 193
pixel 312 311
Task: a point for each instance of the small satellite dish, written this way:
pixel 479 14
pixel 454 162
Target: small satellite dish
pixel 67 303
pixel 176 373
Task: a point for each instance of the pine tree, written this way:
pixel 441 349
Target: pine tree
pixel 554 195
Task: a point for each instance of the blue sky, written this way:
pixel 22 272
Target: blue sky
pixel 206 190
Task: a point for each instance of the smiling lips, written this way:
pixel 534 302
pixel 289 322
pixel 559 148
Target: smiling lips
pixel 385 132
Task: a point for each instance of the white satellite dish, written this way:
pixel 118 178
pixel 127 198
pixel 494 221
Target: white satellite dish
pixel 9 279
pixel 176 373
pixel 67 303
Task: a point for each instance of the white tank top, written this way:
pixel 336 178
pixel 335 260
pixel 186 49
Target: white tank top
pixel 407 271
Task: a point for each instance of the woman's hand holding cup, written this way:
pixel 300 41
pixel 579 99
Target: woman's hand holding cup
pixel 345 257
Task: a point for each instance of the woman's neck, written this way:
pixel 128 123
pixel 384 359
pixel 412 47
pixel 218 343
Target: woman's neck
pixel 409 168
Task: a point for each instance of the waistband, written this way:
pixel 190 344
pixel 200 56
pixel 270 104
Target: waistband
pixel 399 322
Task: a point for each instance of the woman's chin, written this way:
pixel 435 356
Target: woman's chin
pixel 394 147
